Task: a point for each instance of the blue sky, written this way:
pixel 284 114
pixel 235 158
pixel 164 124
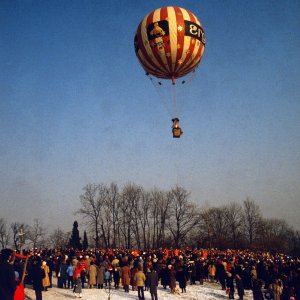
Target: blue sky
pixel 76 107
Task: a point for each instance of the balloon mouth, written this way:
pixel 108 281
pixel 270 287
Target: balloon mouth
pixel 169 76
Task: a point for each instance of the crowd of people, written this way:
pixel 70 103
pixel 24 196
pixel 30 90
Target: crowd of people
pixel 268 275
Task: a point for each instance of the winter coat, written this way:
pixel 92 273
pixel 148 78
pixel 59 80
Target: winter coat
pixel 92 275
pixel 62 275
pixel 37 277
pixel 172 276
pixel 181 277
pixel 229 281
pixel 70 270
pixel 100 275
pixel 125 271
pixel 107 275
pixel 7 281
pixel 63 271
pixel 253 274
pixel 199 271
pixel 46 279
pixel 193 273
pixel 147 284
pixel 246 275
pixel 116 275
pixel 221 272
pixel 82 265
pixel 140 278
pixel 212 270
pixel 257 292
pixel 239 286
pixel 87 263
pixel 133 271
pixel 153 282
pixel 164 276
pixel 276 289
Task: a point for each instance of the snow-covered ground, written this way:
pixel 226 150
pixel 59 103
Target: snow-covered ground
pixel 208 291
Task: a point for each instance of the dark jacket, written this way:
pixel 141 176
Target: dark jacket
pixel 37 276
pixel 257 292
pixel 164 276
pixel 7 281
pixel 181 277
pixel 153 282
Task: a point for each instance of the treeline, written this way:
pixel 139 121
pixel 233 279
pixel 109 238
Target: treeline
pixel 19 236
pixel 133 217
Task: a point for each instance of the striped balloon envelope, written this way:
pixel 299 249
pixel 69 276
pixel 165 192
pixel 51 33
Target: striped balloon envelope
pixel 169 42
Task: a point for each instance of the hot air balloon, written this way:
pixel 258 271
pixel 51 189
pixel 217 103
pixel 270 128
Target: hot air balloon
pixel 169 44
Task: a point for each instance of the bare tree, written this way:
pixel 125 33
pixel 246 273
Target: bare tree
pixel 207 220
pixel 4 233
pixel 275 235
pixel 251 220
pixel 36 233
pixel 183 215
pixel 156 218
pixel 92 201
pixel 124 221
pixel 59 239
pixel 233 215
pixel 155 212
pixel 160 213
pixel 113 205
pixel 144 218
pixel 105 215
pixel 295 243
pixel 130 198
pixel 18 239
pixel 219 226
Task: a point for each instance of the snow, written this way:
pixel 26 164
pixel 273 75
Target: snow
pixel 208 291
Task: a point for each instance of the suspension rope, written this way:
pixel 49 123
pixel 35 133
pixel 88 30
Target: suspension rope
pixel 160 92
pixel 175 111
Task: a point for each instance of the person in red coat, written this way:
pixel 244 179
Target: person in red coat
pixel 77 280
pixel 19 293
pixel 125 271
pixel 83 267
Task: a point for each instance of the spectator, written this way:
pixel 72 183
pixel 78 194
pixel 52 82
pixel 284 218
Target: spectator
pixel 77 281
pixel 7 275
pixel 153 283
pixel 239 286
pixel 70 273
pixel 230 285
pixel 100 276
pixel 125 271
pixel 92 275
pixel 46 280
pixel 140 279
pixel 172 276
pixel 37 277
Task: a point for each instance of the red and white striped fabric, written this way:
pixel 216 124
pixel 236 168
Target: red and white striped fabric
pixel 169 42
